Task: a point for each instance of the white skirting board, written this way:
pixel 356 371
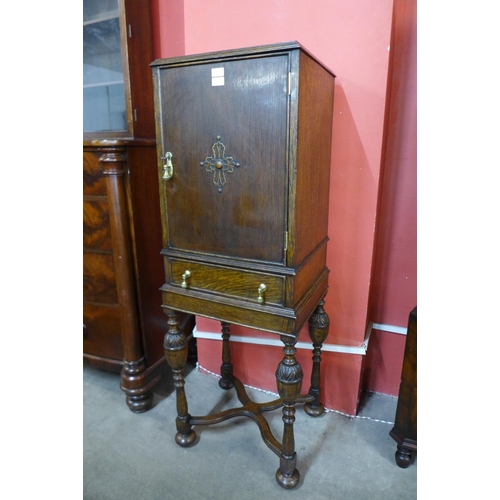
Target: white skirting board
pixel 327 347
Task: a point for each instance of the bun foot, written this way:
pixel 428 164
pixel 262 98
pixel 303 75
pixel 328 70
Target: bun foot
pixel 141 403
pixel 185 440
pixel 133 384
pixel 404 457
pixel 225 384
pixel 287 482
pixel 314 410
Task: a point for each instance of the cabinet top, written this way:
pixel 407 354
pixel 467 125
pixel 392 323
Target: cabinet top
pixel 232 53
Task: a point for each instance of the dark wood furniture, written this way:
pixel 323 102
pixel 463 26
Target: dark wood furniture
pixel 404 431
pixel 122 268
pixel 244 146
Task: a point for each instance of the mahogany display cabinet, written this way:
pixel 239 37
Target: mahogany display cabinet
pixel 244 150
pixel 123 326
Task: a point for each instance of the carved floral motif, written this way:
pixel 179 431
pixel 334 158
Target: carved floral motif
pixel 219 164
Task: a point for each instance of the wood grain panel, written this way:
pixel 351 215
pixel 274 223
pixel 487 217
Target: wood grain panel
pixel 314 138
pixel 93 181
pixel 314 266
pixel 102 331
pixel 230 282
pixel 96 230
pixel 99 284
pixel 266 320
pixel 140 54
pixel 147 241
pixel 246 216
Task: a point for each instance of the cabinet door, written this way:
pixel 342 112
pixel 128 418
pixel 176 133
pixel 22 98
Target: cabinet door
pixel 226 125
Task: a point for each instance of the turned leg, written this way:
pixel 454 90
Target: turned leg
pixel 318 331
pixel 134 375
pixel 176 352
pixel 289 380
pixel 226 369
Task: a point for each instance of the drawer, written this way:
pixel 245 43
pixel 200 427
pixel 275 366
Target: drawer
pixel 225 281
pixel 94 182
pixel 96 229
pixel 99 282
pixel 102 331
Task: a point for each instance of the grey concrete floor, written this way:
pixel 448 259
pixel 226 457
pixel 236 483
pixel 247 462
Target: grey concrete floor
pixel 134 456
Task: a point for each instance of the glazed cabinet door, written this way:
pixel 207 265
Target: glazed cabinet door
pixel 223 128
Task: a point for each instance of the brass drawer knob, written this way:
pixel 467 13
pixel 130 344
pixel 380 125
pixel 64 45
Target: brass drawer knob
pixel 262 288
pixel 185 277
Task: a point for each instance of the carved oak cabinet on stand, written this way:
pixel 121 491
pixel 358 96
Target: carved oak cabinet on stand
pixel 244 145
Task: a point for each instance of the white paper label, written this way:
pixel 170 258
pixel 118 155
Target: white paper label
pixel 217 77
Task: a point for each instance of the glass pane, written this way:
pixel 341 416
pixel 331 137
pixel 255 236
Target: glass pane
pixel 104 106
pixel 99 9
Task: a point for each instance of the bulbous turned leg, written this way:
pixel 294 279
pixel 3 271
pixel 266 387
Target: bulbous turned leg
pixel 318 331
pixel 139 396
pixel 176 352
pixel 226 369
pixel 289 381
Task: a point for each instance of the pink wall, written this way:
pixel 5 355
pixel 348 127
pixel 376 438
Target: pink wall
pixel 394 279
pixel 395 271
pixel 167 18
pixel 355 46
pixel 351 38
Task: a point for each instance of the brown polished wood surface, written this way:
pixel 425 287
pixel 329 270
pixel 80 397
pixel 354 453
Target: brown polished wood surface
pixel 96 233
pixel 115 318
pixel 102 331
pixel 243 149
pixel 136 18
pixel 250 179
pixel 404 431
pixel 99 279
pixel 309 217
pixel 246 219
pixel 228 282
pixel 93 181
pixel 122 237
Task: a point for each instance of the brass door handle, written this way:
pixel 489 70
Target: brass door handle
pixel 168 168
pixel 185 277
pixel 262 288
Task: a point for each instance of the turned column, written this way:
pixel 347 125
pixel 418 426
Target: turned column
pixel 176 353
pixel 139 395
pixel 318 331
pixel 289 381
pixel 226 369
